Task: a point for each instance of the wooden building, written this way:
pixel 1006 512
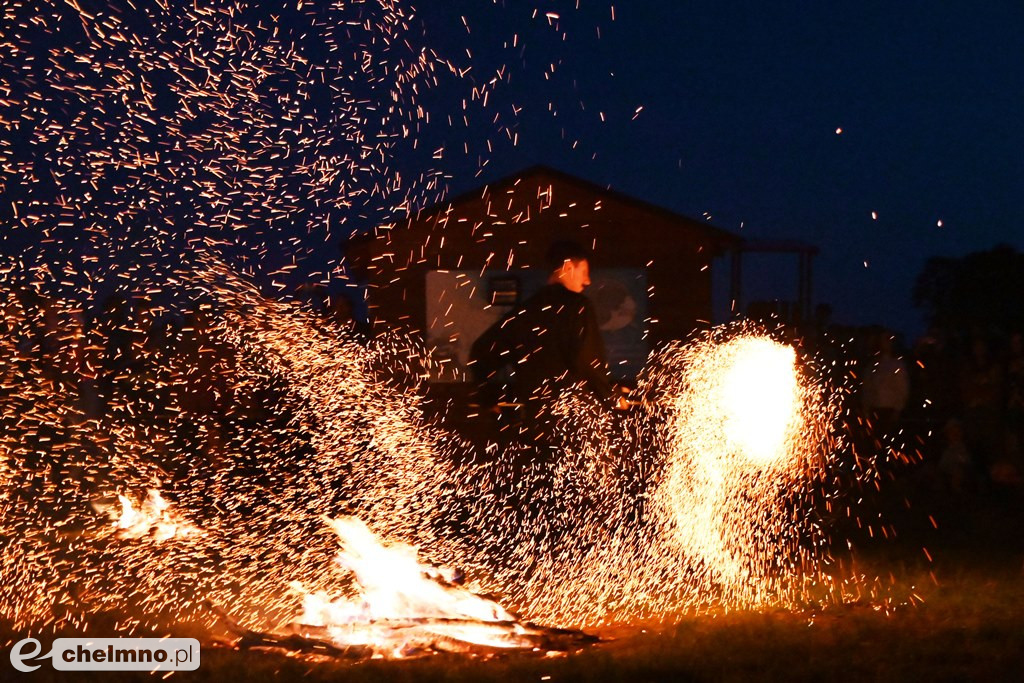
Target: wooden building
pixel 453 269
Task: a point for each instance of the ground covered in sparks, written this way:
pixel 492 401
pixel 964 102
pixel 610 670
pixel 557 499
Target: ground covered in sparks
pixel 969 626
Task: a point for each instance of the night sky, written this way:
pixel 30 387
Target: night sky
pixel 725 111
pixel 741 104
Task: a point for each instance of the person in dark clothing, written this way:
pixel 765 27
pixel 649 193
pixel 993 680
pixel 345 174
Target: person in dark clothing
pixel 549 345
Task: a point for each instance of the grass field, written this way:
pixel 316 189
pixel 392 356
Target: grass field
pixel 969 626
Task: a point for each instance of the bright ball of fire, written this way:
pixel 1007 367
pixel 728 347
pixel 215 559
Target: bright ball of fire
pixel 758 398
pixel 744 437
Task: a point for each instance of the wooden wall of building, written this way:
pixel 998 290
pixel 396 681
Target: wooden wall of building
pixel 510 224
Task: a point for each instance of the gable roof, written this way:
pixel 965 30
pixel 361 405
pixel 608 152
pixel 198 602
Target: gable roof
pixel 712 232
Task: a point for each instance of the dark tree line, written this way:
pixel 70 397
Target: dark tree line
pixel 981 291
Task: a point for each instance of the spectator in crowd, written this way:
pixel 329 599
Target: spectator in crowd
pixel 955 464
pixel 981 386
pixel 1015 394
pixel 886 387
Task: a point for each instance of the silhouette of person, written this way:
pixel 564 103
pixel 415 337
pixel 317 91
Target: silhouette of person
pixel 549 345
pixel 886 387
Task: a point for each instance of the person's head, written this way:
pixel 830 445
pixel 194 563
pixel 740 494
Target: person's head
pixel 570 265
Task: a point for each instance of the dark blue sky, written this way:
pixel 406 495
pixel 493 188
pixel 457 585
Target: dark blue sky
pixel 741 102
pixel 722 109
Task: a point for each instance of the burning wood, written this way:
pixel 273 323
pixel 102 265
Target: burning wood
pixel 153 517
pixel 313 640
pixel 403 609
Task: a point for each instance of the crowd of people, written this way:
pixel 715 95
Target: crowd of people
pixel 954 400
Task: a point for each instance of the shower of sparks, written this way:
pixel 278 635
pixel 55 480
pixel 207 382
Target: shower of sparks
pixel 169 152
pixel 701 499
pixel 746 437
